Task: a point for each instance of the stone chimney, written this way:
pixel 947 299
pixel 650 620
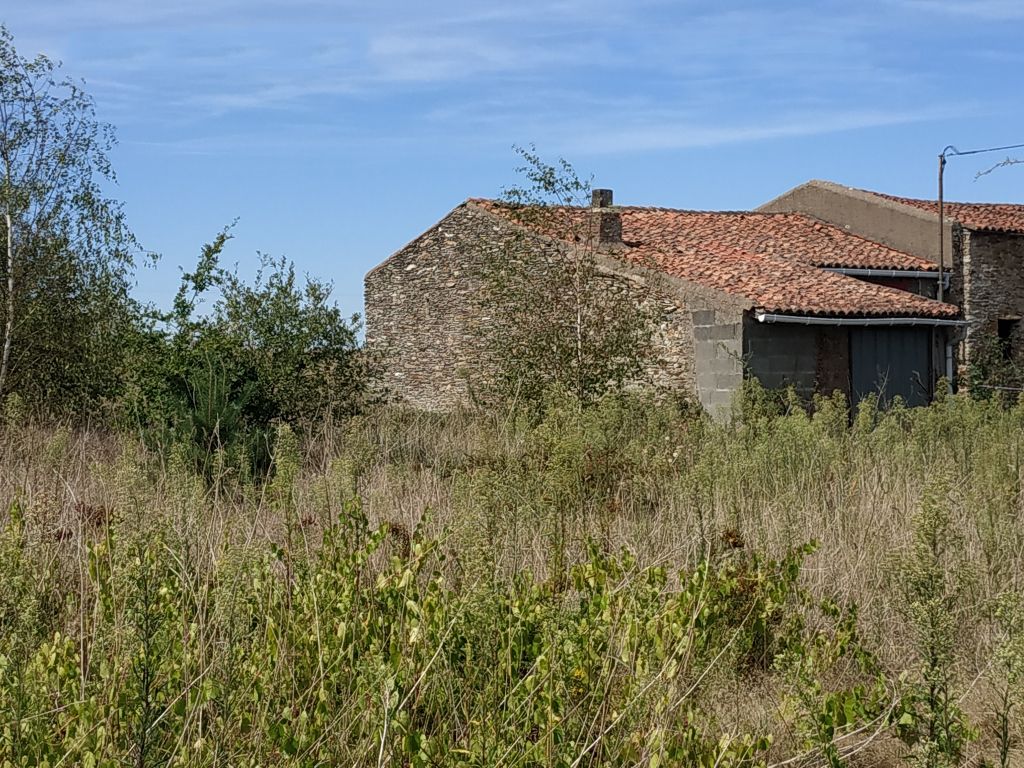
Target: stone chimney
pixel 605 221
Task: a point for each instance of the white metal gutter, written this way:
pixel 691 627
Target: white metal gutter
pixel 769 317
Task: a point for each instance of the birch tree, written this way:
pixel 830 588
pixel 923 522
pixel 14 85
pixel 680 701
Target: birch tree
pixel 556 319
pixel 66 248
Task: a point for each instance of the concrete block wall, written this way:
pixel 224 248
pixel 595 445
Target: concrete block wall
pixel 718 354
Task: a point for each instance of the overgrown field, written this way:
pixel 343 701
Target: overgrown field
pixel 625 585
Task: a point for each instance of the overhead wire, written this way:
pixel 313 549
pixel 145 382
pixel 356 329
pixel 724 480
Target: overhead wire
pixel 957 152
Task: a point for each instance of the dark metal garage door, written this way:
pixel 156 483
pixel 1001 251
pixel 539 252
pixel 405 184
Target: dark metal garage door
pixel 890 362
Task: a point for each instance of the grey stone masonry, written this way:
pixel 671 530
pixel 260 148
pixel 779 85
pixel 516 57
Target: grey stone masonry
pixel 993 265
pixel 421 311
pixel 605 222
pixel 424 316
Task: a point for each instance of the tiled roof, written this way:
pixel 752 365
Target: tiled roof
pixel 787 286
pixel 996 217
pixel 789 235
pixel 754 256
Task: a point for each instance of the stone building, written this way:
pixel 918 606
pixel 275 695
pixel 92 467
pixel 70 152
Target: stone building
pixel 782 295
pixel 983 252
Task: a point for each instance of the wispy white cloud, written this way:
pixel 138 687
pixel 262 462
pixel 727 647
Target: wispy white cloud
pixel 596 127
pixel 405 56
pixel 106 14
pixel 985 10
pixel 665 75
pixel 659 136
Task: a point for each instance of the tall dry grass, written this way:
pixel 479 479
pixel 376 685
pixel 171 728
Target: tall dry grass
pixel 105 542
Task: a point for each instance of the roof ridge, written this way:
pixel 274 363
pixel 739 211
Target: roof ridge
pixel 934 201
pixel 1005 217
pixel 728 212
pixel 656 208
pixel 812 239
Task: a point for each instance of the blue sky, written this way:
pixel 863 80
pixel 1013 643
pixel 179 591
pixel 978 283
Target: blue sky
pixel 336 131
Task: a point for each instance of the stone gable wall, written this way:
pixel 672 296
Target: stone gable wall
pixel 994 281
pixel 424 316
pixel 421 312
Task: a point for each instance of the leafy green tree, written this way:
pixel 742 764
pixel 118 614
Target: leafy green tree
pixel 66 248
pixel 274 350
pixel 559 318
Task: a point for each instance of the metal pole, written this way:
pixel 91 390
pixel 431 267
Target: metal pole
pixel 942 229
pixel 942 261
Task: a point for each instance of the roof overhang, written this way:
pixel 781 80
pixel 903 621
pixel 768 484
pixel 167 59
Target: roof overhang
pixel 770 317
pixel 875 272
pixel 906 274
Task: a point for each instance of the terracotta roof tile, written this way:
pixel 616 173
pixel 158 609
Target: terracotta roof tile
pixel 772 260
pixel 788 286
pixel 789 235
pixel 996 217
